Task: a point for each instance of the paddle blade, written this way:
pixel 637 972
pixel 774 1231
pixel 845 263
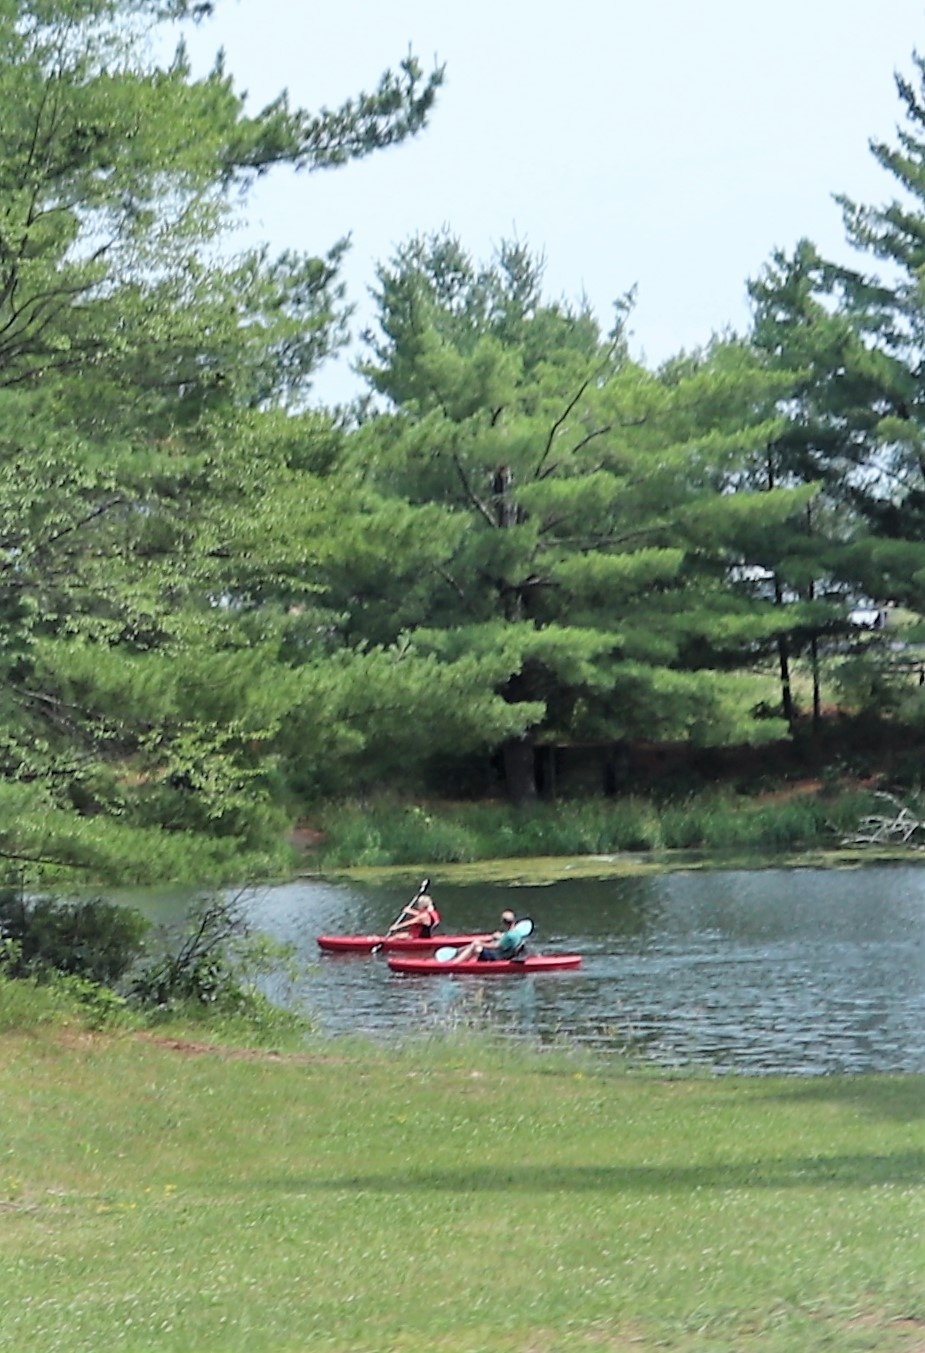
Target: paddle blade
pixel 445 953
pixel 523 929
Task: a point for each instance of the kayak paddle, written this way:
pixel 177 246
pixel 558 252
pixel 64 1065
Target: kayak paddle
pixel 425 884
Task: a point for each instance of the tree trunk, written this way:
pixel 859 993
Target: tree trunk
pixel 547 771
pixel 786 694
pixel 814 661
pixel 817 685
pixel 520 770
pixel 783 655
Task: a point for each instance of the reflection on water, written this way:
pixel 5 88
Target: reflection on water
pixel 797 971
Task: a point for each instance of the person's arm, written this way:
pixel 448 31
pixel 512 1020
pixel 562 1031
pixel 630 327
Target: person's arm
pixel 408 917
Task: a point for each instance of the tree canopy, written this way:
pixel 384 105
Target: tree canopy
pixel 148 492
pixel 221 601
pixel 566 505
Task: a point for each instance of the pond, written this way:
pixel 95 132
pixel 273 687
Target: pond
pixel 796 971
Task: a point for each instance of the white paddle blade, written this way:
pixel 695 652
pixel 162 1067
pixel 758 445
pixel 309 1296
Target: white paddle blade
pixel 445 953
pixel 523 929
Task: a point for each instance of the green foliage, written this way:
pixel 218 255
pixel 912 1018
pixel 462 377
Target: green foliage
pixel 386 832
pixel 855 426
pixel 92 963
pixel 216 965
pixel 153 496
pixel 872 683
pixel 368 716
pixel 569 500
pixel 217 603
pixel 95 941
pixel 820 564
pixel 30 1004
pixel 98 1005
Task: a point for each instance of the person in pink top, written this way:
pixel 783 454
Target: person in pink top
pixel 419 919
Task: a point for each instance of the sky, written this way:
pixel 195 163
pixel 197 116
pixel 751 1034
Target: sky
pixel 663 145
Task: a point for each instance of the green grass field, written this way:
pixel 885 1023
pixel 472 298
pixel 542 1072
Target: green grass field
pixel 448 1196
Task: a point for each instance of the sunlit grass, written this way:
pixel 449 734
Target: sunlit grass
pixel 391 832
pixel 453 1195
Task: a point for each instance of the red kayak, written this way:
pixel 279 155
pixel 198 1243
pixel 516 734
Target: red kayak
pixel 431 967
pixel 392 944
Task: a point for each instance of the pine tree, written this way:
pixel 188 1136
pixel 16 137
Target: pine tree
pixel 818 564
pixel 571 502
pixel 151 491
pixel 857 425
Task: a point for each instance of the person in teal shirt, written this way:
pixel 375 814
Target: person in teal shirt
pixel 503 944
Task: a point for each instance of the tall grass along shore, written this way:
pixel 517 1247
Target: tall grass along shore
pixel 156 1195
pixel 387 831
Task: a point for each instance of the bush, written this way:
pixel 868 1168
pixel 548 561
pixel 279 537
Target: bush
pixel 216 965
pixel 100 1007
pixel 95 940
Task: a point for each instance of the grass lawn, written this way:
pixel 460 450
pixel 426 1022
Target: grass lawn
pixel 448 1197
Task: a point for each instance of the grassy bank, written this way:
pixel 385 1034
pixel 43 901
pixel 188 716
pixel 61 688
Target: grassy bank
pixel 157 1196
pixel 389 832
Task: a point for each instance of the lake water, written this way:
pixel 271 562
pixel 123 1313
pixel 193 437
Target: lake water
pixel 800 971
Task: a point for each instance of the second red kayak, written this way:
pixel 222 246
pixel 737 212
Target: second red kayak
pixel 390 944
pixel 431 967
